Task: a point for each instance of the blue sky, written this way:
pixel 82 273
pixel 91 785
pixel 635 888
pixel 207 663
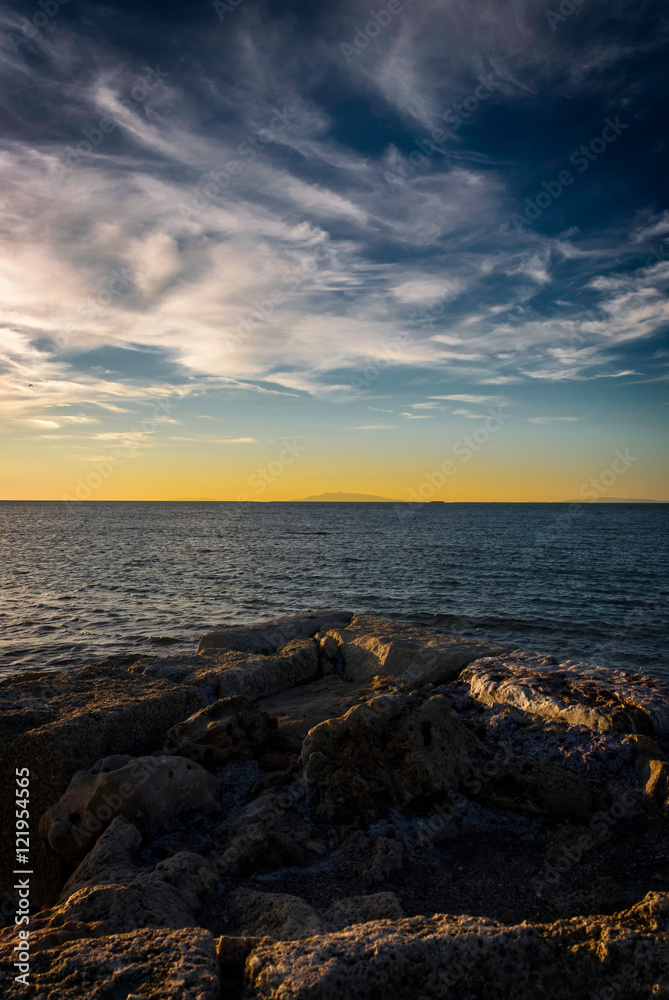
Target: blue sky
pixel 367 228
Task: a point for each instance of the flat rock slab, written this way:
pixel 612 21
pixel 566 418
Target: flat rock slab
pixel 301 708
pixel 449 958
pixel 580 694
pixel 374 646
pixel 268 637
pixel 150 964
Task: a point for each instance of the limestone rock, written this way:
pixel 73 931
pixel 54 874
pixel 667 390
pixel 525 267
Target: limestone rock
pixel 147 963
pixel 448 958
pixel 516 782
pixel 273 914
pixel 150 791
pixel 231 728
pixel 580 694
pixel 655 775
pixel 232 673
pixel 300 709
pixel 393 750
pixel 361 910
pixel 268 637
pixel 387 857
pixel 372 646
pixel 62 722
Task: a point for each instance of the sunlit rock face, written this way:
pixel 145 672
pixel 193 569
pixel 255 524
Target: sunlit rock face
pixel 328 805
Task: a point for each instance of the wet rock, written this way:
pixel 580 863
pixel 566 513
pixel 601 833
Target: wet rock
pixel 579 694
pixel 269 637
pixel 450 957
pixel 375 646
pixel 231 728
pixel 149 791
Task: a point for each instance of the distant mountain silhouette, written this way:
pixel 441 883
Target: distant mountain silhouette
pixel 345 498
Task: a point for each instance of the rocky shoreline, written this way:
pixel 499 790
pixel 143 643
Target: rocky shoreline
pixel 338 806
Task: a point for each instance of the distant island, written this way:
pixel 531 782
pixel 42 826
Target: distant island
pixel 345 498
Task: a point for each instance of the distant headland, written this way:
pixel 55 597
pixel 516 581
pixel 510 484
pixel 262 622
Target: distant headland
pixel 345 498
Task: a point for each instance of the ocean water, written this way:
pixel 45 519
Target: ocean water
pixel 85 581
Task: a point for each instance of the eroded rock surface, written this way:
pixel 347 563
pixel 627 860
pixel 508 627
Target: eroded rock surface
pixel 359 808
pixel 150 791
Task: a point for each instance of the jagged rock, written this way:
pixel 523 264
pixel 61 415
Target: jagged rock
pixel 515 782
pixel 230 673
pixel 109 892
pixel 268 833
pixel 273 914
pixel 580 694
pixel 148 963
pixel 268 637
pixel 372 646
pixel 300 709
pixel 361 909
pixel 232 728
pixel 393 750
pixel 387 857
pixel 62 722
pixel 150 791
pixel 448 958
pixel 655 776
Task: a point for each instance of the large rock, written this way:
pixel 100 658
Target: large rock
pixel 580 694
pixel 230 729
pixel 396 750
pixel 268 637
pixel 149 791
pixel 373 646
pixel 449 958
pixel 233 673
pixel 63 722
pixel 149 964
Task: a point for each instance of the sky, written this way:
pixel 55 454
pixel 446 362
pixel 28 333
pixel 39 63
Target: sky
pixel 260 250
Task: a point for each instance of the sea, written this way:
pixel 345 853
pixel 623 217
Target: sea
pixel 87 581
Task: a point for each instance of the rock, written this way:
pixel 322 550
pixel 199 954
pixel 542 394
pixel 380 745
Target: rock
pixel 272 914
pixel 361 909
pixel 301 708
pixel 268 637
pixel 375 646
pixel 394 750
pixel 149 963
pixel 232 673
pixel 63 722
pixel 449 957
pixel 387 857
pixel 579 694
pixel 231 728
pixel 515 782
pixel 150 791
pixel 655 776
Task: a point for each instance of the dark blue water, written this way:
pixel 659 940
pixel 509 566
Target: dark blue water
pixel 81 582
